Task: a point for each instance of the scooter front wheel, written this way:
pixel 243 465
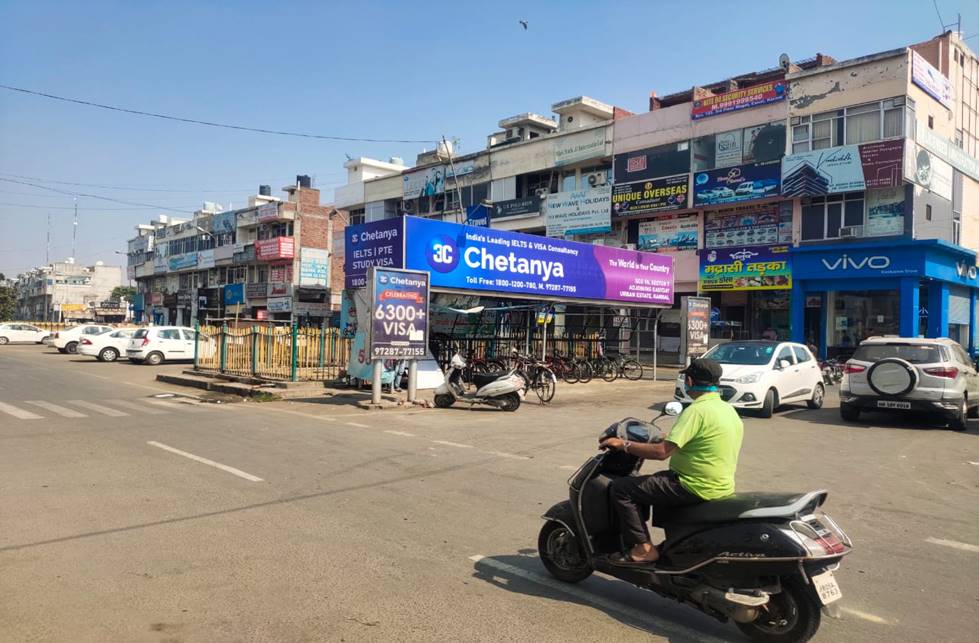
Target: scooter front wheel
pixel 562 553
pixel 443 400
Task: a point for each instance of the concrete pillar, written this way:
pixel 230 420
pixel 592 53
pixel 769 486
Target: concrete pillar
pixel 937 309
pixel 797 312
pixel 822 341
pixel 909 306
pixel 972 322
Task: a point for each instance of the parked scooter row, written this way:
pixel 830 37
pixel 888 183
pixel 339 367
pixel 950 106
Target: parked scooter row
pixel 503 390
pixel 832 370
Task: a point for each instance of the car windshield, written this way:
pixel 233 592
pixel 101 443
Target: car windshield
pixel 141 333
pixel 914 353
pixel 751 353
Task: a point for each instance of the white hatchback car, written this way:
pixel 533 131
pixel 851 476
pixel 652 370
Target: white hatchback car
pixel 106 347
pixel 157 344
pixel 66 341
pixel 14 332
pixel 763 375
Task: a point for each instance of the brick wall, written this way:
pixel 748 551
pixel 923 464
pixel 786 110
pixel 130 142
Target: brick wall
pixel 339 222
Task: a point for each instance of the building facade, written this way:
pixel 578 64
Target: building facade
pixel 65 290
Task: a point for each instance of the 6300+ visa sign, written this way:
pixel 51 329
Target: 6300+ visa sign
pixel 399 313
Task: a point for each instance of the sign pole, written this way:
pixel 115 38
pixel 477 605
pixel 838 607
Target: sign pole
pixel 412 380
pixel 376 382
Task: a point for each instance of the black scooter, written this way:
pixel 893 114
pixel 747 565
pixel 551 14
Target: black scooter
pixel 763 560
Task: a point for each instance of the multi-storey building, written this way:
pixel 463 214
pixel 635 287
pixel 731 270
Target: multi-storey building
pixel 65 290
pixel 269 261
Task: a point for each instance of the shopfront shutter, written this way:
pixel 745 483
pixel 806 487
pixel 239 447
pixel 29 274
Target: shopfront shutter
pixel 958 308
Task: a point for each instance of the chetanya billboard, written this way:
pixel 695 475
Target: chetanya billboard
pixel 468 258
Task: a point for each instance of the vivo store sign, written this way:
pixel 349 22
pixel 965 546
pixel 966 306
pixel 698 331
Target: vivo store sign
pixel 846 262
pixel 850 263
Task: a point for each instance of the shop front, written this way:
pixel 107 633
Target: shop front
pixel 842 294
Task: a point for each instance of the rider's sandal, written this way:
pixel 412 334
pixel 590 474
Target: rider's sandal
pixel 629 561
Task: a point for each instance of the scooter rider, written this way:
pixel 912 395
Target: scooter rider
pixel 703 448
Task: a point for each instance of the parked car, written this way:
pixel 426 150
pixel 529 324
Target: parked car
pixel 106 347
pixel 14 332
pixel 66 341
pixel 762 375
pixel 157 344
pixel 906 374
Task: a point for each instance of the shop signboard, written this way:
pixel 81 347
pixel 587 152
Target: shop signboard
pixel 380 243
pixel 399 313
pixel 205 259
pixel 859 262
pixel 668 232
pixel 279 289
pixel 234 294
pixel 744 225
pixel 478 215
pixel 257 291
pixel 427 182
pixel 314 267
pixel 181 262
pixel 885 212
pixel 948 151
pixel 460 168
pixel 696 315
pixel 223 222
pixel 847 168
pixel 737 184
pixel 928 171
pixel 517 208
pixel 281 273
pixel 651 196
pixel 246 255
pixel 745 268
pixel 727 148
pixel 277 248
pixel 739 99
pixel 931 81
pixel 466 258
pixel 279 305
pixel 159 262
pixel 578 212
pixel 580 146
pixel 267 212
pixel 313 309
pixel 651 163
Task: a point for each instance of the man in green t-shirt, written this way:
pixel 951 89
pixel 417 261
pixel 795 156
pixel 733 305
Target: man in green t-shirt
pixel 703 448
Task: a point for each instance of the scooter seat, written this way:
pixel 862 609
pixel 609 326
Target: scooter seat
pixel 482 379
pixel 743 506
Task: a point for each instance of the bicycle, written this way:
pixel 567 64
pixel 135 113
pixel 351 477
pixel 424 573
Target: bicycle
pixel 564 368
pixel 625 367
pixel 537 376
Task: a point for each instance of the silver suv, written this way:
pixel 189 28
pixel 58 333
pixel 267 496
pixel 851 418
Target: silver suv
pixel 911 374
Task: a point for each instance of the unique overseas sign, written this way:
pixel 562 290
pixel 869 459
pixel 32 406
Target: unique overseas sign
pixel 380 243
pixel 469 258
pixel 578 212
pixel 739 99
pixel 651 196
pixel 745 268
pixel 399 313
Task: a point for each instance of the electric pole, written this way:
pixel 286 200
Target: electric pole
pixel 74 231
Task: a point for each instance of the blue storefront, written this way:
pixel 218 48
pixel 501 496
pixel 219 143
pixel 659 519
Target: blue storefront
pixel 843 293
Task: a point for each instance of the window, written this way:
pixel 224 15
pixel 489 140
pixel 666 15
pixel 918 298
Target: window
pixel 801 354
pixel 822 217
pixel 357 216
pixel 755 144
pixel 568 180
pixel 785 353
pixel 849 126
pixel 189 335
pixel 169 333
pixel 927 213
pixel 931 122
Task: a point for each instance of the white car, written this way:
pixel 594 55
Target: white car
pixel 106 347
pixel 763 375
pixel 14 332
pixel 66 341
pixel 157 344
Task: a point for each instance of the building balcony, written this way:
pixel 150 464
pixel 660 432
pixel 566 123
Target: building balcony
pixel 275 249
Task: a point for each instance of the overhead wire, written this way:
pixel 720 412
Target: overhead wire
pixel 126 187
pixel 97 196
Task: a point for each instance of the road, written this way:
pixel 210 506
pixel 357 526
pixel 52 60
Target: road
pixel 132 518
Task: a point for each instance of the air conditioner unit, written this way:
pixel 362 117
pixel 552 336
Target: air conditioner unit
pixel 851 231
pixel 542 193
pixel 596 179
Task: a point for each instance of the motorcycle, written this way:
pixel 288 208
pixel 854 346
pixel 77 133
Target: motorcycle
pixel 832 371
pixel 502 390
pixel 763 560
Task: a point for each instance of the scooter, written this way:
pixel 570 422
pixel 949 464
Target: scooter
pixel 502 390
pixel 763 560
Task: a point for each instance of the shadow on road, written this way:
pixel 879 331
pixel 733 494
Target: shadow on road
pixel 830 415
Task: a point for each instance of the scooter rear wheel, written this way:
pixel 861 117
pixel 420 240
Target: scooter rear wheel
pixel 444 401
pixel 562 554
pixel 793 615
pixel 510 402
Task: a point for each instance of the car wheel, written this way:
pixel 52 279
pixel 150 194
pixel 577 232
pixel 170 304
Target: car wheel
pixel 961 420
pixel 3 340
pixel 849 413
pixel 154 359
pixel 771 403
pixel 818 394
pixel 71 348
pixel 109 355
pixel 974 412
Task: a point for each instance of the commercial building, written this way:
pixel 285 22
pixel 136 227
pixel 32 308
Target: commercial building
pixel 65 290
pixel 269 261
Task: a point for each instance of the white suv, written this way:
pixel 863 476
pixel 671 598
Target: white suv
pixel 154 345
pixel 66 341
pixel 762 375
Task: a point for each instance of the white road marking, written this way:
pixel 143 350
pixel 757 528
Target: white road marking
pixel 512 456
pixel 453 444
pixel 873 618
pixel 20 414
pixel 663 627
pixel 568 467
pixel 404 433
pixel 98 408
pixel 357 424
pixel 197 458
pixel 54 408
pixel 954 544
pixel 139 408
pixel 975 463
pixel 176 406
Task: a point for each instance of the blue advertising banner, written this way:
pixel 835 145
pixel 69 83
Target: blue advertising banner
pixel 380 243
pixel 477 215
pixel 234 294
pixel 223 222
pixel 179 262
pixel 399 313
pixel 738 183
pixel 467 258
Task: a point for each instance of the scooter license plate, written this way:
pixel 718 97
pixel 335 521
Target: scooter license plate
pixel 827 588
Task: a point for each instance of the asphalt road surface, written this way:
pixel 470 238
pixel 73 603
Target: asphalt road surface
pixel 125 517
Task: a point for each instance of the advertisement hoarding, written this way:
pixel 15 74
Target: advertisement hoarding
pixel 399 313
pixel 380 243
pixel 467 258
pixel 205 259
pixel 578 212
pixel 668 233
pixel 223 222
pixel 579 146
pixel 737 184
pixel 745 268
pixel 885 212
pixel 931 81
pixel 181 262
pixel 314 267
pixel 696 316
pixel 526 207
pixel 744 226
pixel 277 248
pixel 739 99
pixel 651 196
pixel 928 171
pixel 234 294
pixel 279 304
pixel 427 182
pixel 267 212
pixel 846 168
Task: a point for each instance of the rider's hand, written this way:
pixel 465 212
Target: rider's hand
pixel 615 444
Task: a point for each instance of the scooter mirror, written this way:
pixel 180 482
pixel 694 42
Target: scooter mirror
pixel 673 408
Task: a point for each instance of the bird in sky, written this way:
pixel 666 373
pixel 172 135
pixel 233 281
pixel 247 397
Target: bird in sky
pixel 523 23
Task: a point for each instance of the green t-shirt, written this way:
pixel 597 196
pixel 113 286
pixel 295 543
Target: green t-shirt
pixel 708 438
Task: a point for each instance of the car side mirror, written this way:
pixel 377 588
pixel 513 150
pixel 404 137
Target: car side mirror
pixel 782 364
pixel 673 408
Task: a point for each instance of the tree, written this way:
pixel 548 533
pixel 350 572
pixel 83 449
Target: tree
pixel 123 292
pixel 8 299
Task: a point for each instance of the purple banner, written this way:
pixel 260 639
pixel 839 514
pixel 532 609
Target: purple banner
pixel 380 243
pixel 399 314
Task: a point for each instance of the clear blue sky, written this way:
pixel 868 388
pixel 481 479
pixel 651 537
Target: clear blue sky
pixel 362 69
